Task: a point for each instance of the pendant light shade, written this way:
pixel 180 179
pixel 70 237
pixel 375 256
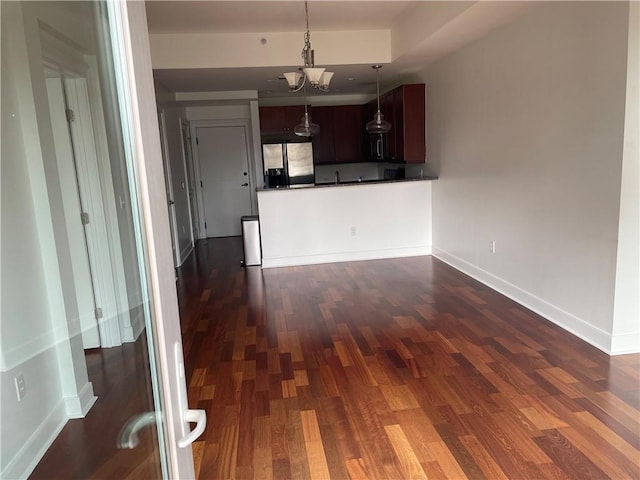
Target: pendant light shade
pixel 306 128
pixel 378 124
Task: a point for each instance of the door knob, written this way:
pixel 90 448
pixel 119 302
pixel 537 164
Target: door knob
pixel 245 184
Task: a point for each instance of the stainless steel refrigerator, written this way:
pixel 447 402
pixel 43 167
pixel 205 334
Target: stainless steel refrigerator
pixel 288 163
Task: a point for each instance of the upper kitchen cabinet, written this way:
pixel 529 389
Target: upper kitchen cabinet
pixel 323 143
pixel 278 120
pixel 409 116
pixel 404 107
pixel 341 137
pixel 348 133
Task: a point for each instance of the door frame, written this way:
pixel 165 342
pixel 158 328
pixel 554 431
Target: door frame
pixel 79 77
pixel 244 123
pixel 171 208
pixel 189 170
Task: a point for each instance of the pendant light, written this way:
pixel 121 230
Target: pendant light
pixel 306 128
pixel 378 124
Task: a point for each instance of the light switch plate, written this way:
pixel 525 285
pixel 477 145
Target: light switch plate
pixel 21 389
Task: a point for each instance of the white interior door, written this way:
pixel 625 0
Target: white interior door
pixel 80 260
pixel 224 171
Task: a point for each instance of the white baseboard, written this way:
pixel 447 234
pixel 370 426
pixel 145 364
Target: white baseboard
pixel 79 405
pixel 345 257
pixel 23 464
pixel 137 321
pixel 185 252
pixel 625 343
pixel 126 320
pixel 577 326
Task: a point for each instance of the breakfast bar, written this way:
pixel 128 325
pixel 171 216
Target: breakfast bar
pixel 343 222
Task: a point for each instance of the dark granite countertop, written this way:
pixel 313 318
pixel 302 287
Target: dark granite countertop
pixel 347 184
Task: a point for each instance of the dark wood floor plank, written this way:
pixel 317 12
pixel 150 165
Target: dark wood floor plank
pixel 564 454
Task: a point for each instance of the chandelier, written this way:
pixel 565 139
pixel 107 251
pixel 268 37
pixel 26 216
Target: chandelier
pixel 317 77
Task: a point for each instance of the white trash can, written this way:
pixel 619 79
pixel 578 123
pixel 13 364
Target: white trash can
pixel 251 240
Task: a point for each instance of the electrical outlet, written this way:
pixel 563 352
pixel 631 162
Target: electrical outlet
pixel 21 390
pixel 492 246
pixel 353 231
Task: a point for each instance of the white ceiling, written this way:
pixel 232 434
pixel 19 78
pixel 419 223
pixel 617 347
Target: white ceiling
pixel 239 16
pixel 269 16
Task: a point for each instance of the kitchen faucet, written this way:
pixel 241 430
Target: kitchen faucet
pixel 337 177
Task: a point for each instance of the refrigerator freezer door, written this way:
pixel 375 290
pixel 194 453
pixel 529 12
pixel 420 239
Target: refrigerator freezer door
pixel 272 155
pixel 300 163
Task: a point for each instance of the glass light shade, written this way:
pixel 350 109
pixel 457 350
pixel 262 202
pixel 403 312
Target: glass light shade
pixel 293 78
pixel 314 74
pixel 306 128
pixel 378 124
pixel 325 78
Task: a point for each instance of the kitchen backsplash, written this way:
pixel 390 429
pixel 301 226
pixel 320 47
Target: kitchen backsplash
pixel 350 172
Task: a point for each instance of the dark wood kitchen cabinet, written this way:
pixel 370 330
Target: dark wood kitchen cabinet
pixel 278 120
pixel 404 107
pixel 341 137
pixel 409 115
pixel 323 143
pixel 348 133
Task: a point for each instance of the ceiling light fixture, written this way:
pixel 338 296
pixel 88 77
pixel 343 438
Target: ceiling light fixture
pixel 378 124
pixel 306 128
pixel 318 77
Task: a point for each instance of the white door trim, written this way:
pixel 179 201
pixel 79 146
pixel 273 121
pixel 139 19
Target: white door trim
pixel 195 125
pixel 189 175
pixel 171 209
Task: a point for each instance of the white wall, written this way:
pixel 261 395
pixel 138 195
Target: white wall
pixel 38 306
pixel 343 223
pixel 23 297
pixel 626 326
pixel 525 130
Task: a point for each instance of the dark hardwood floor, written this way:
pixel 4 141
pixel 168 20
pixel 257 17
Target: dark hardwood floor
pixel 87 447
pixel 389 369
pixel 393 369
